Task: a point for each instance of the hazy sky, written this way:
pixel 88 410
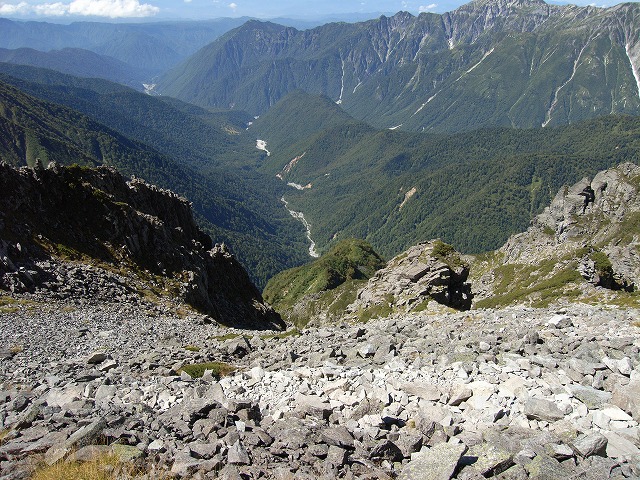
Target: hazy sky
pixel 200 9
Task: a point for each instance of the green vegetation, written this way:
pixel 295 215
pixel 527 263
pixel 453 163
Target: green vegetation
pixel 473 190
pixel 106 466
pixel 538 285
pixel 12 305
pixel 447 254
pixel 602 263
pixel 348 260
pixel 327 284
pixel 496 79
pixel 228 336
pixel 218 369
pixel 380 310
pixel 192 348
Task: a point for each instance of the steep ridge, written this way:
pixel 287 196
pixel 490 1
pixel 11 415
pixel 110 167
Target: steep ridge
pixel 488 63
pixel 78 62
pixel 57 220
pixel 251 221
pixel 583 247
pixel 150 47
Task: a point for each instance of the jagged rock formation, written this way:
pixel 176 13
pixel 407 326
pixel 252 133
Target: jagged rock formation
pixel 427 272
pixel 74 231
pixel 511 63
pixel 590 231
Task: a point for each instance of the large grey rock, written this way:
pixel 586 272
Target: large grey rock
pixel 338 436
pixel 425 272
pixel 238 455
pixel 627 397
pixel 541 409
pixel 437 463
pixel 591 397
pixel 544 467
pixel 592 444
pixel 491 460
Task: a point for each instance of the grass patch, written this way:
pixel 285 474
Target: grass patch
pixel 3 435
pixel 12 305
pixel 218 369
pixel 228 336
pixel 103 467
pixel 541 293
pixel 422 306
pixel 380 310
pixel 192 348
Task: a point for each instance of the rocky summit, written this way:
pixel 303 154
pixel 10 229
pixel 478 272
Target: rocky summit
pixel 77 231
pixel 514 393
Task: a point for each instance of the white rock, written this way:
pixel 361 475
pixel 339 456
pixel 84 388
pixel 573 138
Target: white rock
pixel 616 413
pixel 624 366
pixel 620 447
pixel 560 321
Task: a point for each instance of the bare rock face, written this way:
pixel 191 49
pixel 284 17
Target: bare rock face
pixel 426 272
pixel 75 231
pixel 592 223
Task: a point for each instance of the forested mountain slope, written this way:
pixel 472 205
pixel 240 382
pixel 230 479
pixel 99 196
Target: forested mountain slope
pixel 505 63
pixel 395 189
pixel 261 232
pixel 79 62
pixel 148 46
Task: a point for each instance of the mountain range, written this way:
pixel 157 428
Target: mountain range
pixel 151 47
pixel 504 63
pixel 326 97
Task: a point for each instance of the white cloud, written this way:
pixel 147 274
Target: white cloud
pixel 50 9
pixel 97 8
pixel 427 8
pixel 233 6
pixel 8 9
pixel 112 8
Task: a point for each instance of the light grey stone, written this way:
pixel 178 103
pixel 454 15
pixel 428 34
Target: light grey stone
pixel 541 409
pixel 437 463
pixel 592 444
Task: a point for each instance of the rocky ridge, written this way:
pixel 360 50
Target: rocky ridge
pixel 589 233
pixel 514 394
pixel 82 232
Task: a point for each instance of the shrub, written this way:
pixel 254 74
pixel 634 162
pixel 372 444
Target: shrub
pixel 218 369
pixel 602 263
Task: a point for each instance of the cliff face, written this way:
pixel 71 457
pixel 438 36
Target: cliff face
pixel 588 237
pixel 64 229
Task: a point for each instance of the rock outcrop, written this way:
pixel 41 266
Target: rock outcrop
pixel 75 231
pixel 426 272
pixel 589 231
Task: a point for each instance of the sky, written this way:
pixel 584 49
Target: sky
pixel 200 9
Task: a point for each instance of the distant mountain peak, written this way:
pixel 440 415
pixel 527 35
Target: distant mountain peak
pixel 511 3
